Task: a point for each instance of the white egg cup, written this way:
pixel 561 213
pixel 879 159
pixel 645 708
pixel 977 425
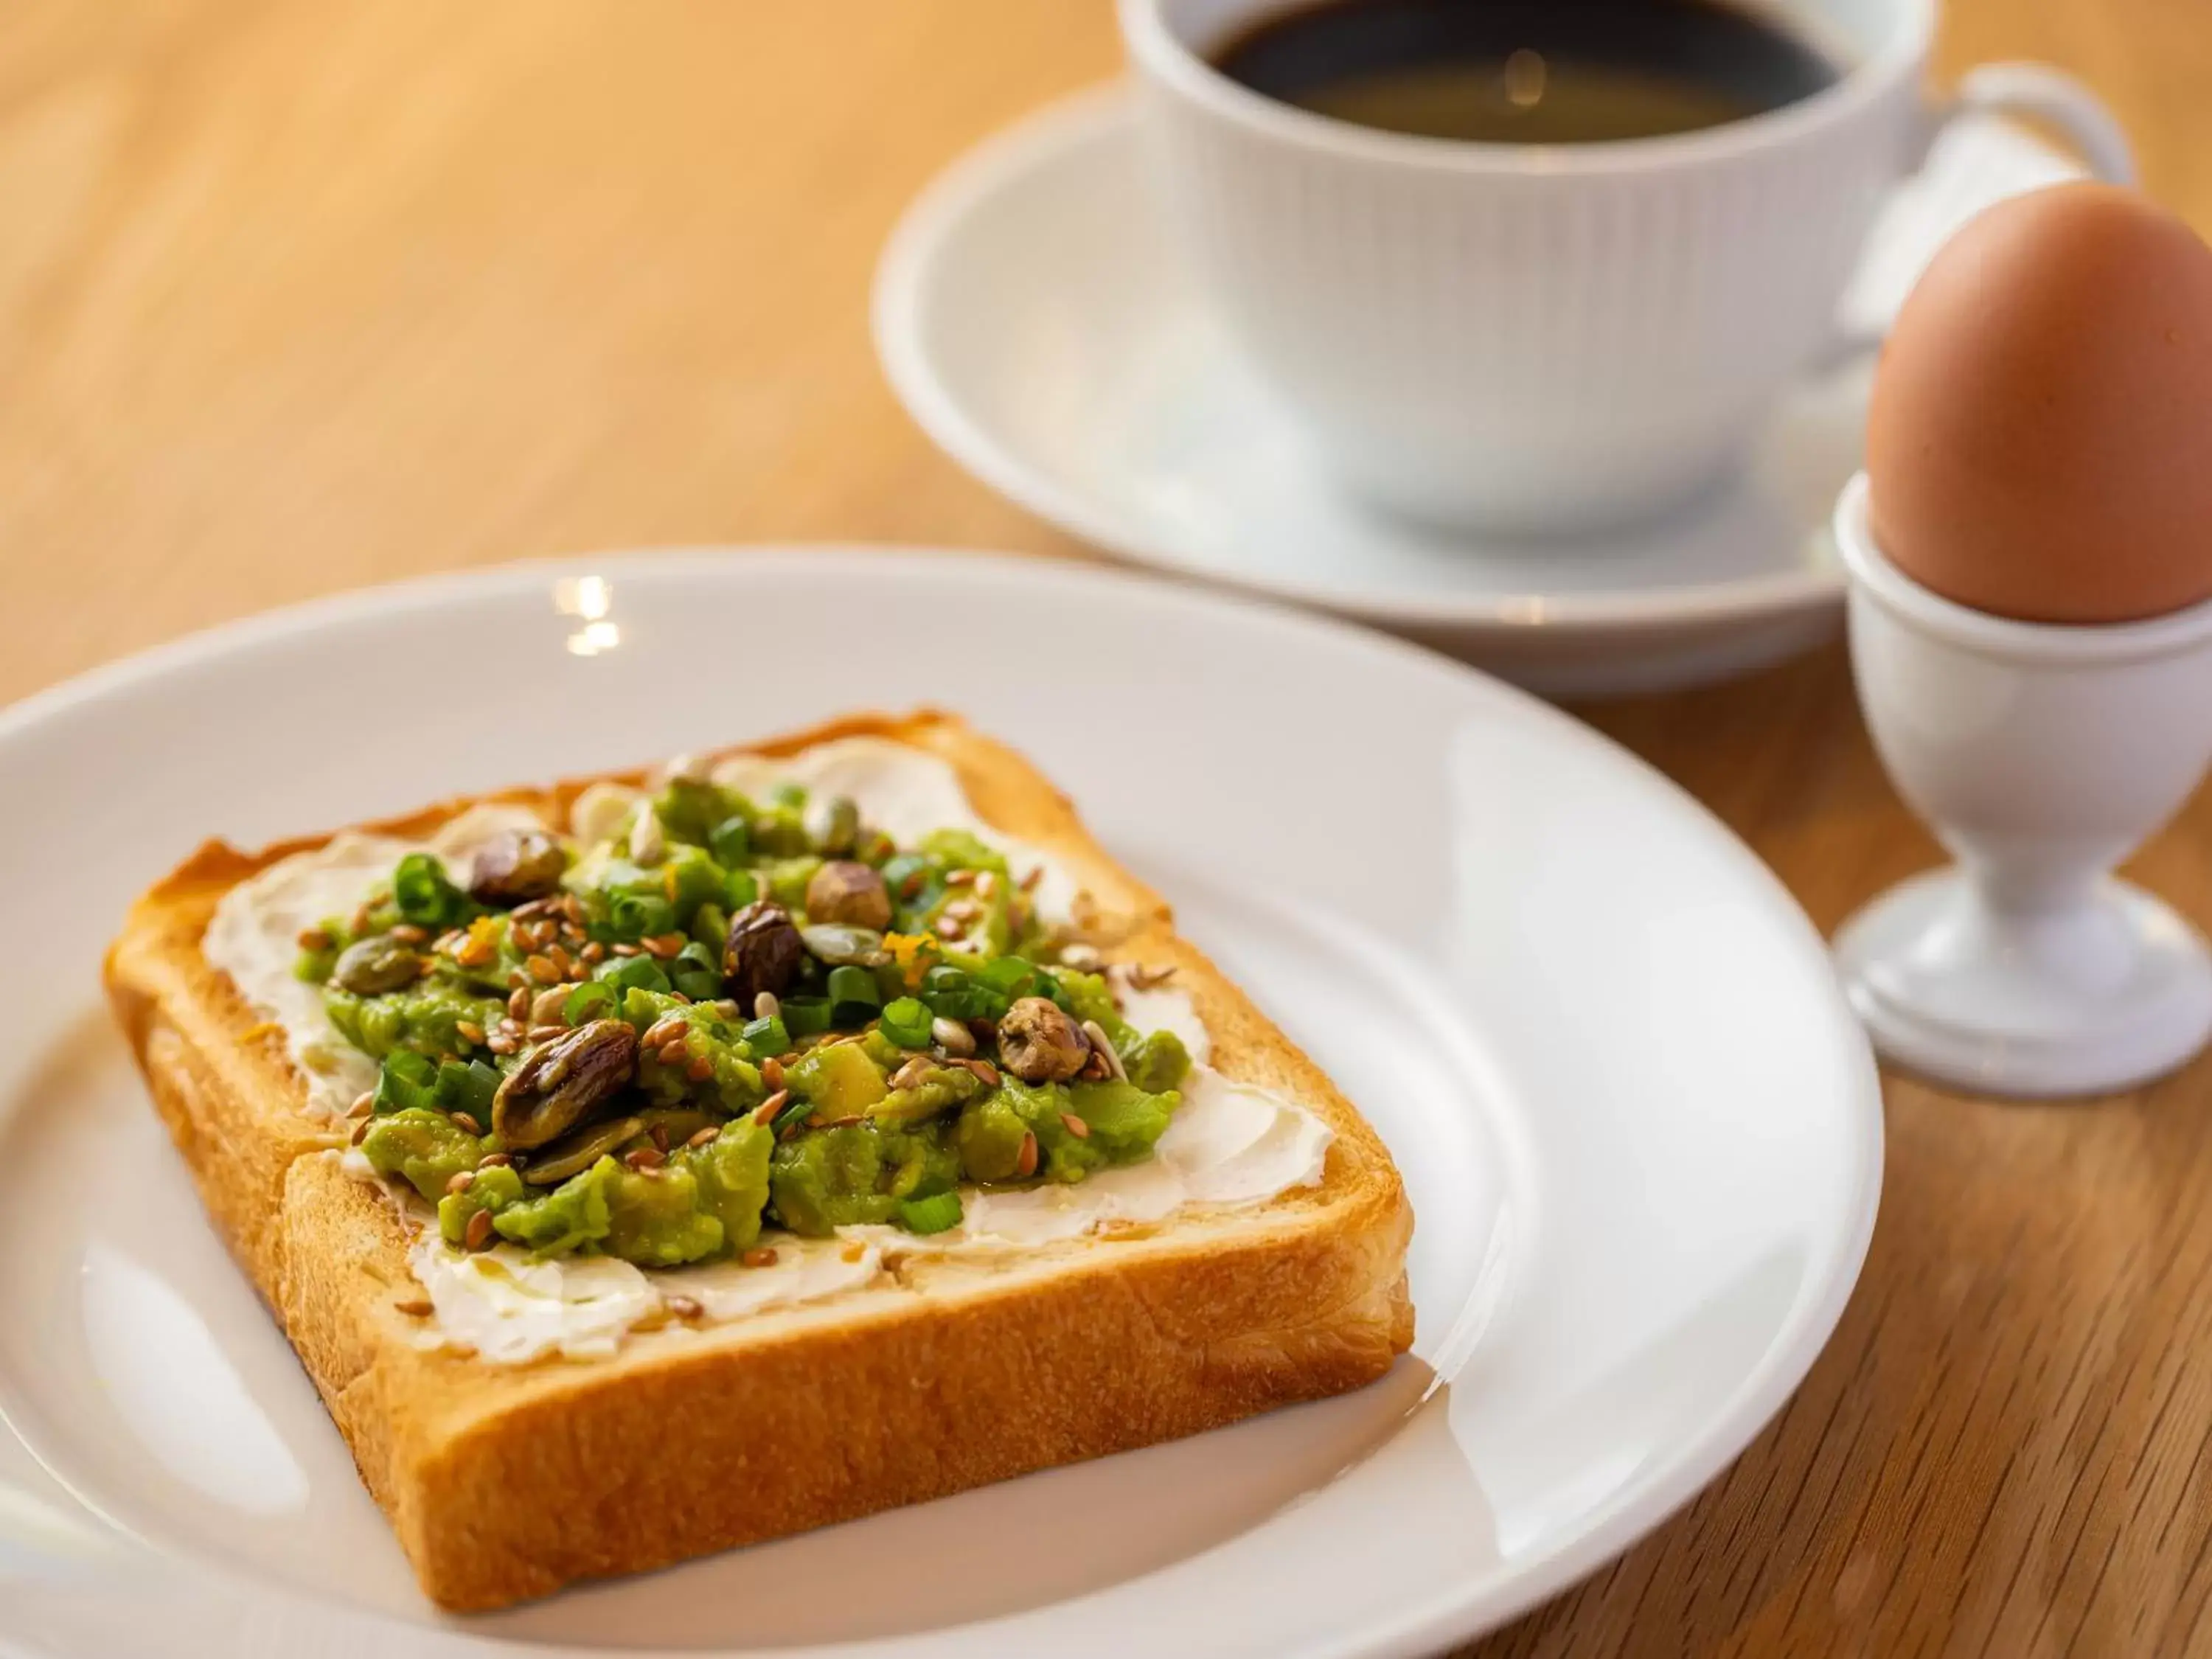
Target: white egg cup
pixel 2041 755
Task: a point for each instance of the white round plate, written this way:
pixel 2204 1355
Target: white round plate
pixel 1033 315
pixel 1641 1131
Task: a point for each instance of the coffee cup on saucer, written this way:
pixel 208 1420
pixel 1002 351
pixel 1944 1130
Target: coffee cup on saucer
pixel 1568 331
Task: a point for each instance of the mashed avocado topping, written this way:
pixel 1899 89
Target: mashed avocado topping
pixel 704 1016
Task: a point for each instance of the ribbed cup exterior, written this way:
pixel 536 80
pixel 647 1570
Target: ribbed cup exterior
pixel 1522 339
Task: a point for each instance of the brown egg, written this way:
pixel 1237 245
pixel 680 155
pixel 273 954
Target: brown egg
pixel 2039 442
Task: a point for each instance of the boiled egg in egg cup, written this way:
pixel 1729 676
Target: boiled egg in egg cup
pixel 2030 558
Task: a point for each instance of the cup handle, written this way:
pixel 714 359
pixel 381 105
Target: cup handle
pixel 2038 92
pixel 2046 95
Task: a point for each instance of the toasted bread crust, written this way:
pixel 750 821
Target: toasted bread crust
pixel 505 1482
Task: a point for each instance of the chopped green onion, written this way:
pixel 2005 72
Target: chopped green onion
pixel 425 895
pixel 634 917
pixel 731 841
pixel 697 972
pixel 788 794
pixel 403 1081
pixel 936 1214
pixel 853 987
pixel 958 995
pixel 796 1113
pixel 467 1087
pixel 906 1021
pixel 626 973
pixel 768 1036
pixel 1009 976
pixel 743 887
pixel 806 1016
pixel 593 1000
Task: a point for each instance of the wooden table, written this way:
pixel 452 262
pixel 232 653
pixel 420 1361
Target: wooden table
pixel 294 298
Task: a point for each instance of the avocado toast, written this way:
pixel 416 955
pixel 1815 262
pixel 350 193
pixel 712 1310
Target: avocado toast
pixel 674 1160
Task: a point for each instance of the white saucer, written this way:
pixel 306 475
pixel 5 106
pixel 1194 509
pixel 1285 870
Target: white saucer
pixel 1034 316
pixel 1640 1129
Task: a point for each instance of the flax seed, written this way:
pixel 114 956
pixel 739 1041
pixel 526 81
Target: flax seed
pixel 1025 1165
pixel 495 1160
pixel 700 1069
pixel 559 956
pixel 705 1137
pixel 958 878
pixel 660 1139
pixel 468 1030
pixel 672 1054
pixel 766 1111
pixel 542 971
pixel 415 1307
pixel 771 1071
pixel 363 1103
pixel 1030 877
pixel 664 945
pixel 518 1003
pixel 547 1033
pixel 685 1307
pixel 626 949
pixel 594 952
pixel 266 1028
pixel 646 1157
pixel 478 1233
pixel 947 928
pixel 313 938
pixel 460 1181
pixel 912 885
pixel 1075 1125
pixel 467 1124
pixel 762 1257
pixel 361 1130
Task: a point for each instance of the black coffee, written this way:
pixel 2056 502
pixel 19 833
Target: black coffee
pixel 1527 71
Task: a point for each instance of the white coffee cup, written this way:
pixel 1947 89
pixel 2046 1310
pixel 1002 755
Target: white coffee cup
pixel 1543 339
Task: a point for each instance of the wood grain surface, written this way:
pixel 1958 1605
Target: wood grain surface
pixel 298 297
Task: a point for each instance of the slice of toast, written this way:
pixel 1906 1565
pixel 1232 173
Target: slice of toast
pixel 507 1482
